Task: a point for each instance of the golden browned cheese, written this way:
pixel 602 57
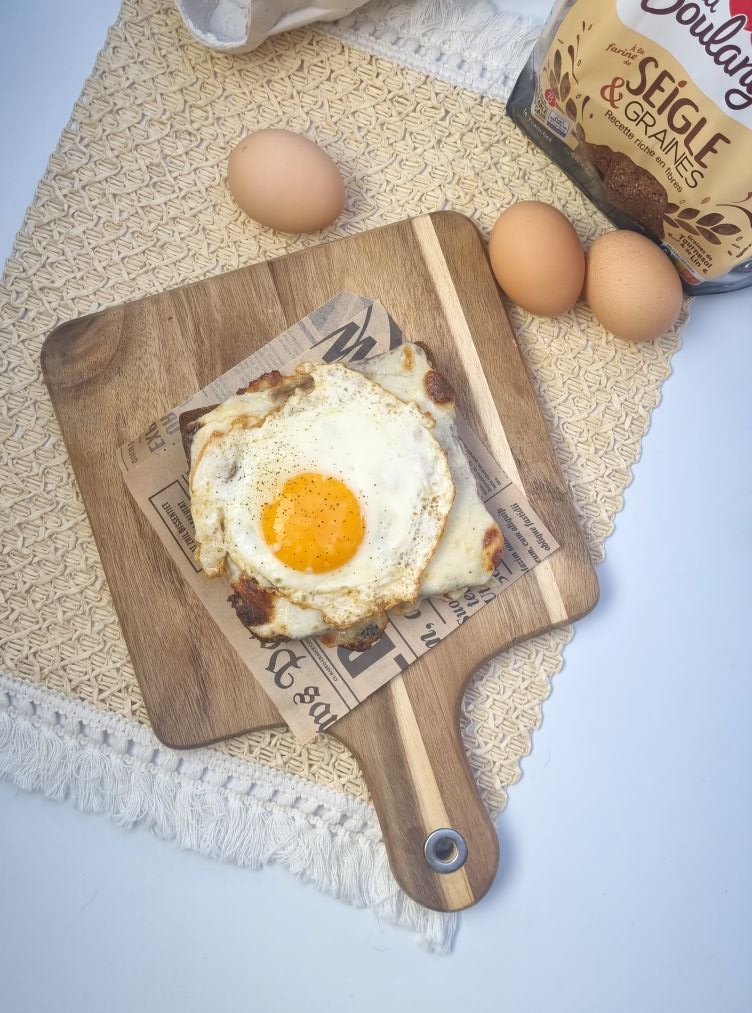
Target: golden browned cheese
pixel 438 388
pixel 493 547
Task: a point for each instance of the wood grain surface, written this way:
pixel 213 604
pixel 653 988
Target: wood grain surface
pixel 110 374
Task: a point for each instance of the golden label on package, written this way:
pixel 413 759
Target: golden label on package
pixel 647 105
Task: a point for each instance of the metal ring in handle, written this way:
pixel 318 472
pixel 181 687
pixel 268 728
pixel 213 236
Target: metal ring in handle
pixel 445 850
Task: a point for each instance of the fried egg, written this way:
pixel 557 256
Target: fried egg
pixel 471 544
pixel 325 490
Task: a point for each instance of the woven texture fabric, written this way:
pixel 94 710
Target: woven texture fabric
pixel 134 201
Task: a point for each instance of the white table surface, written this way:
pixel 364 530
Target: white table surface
pixel 625 877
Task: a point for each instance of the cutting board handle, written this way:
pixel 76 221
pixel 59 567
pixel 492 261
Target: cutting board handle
pixel 441 843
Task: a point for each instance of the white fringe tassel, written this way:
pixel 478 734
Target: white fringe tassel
pixel 472 43
pixel 233 810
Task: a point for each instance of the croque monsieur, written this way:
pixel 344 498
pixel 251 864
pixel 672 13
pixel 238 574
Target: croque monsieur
pixel 334 495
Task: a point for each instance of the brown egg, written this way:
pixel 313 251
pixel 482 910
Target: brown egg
pixel 286 182
pixel 631 286
pixel 537 258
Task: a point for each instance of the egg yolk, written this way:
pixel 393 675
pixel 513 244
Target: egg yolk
pixel 314 525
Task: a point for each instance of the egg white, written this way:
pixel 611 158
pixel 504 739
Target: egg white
pixel 464 556
pixel 345 426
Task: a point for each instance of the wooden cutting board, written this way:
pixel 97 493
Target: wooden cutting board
pixel 110 374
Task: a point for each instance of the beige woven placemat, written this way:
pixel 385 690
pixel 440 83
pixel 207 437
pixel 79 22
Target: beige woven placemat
pixel 134 201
